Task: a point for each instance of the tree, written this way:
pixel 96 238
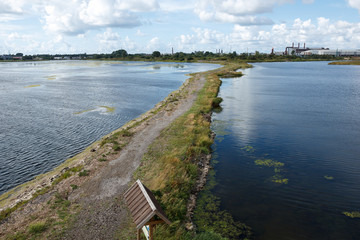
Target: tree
pixel 119 53
pixel 156 54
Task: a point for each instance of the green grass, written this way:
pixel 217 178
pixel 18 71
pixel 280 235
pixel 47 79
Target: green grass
pixel 37 228
pixel 84 173
pixel 353 62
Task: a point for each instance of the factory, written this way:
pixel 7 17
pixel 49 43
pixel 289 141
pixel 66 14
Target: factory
pixel 306 51
pixel 337 52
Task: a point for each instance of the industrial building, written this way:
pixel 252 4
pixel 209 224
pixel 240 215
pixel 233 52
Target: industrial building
pixel 298 51
pixel 337 53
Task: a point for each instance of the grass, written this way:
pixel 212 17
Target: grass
pixel 353 62
pixel 37 228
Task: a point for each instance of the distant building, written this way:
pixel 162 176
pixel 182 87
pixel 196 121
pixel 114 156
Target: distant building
pixel 58 58
pixel 17 58
pixel 298 51
pixel 338 52
pixel 6 57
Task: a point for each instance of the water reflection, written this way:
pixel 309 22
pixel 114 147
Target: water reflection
pixel 305 116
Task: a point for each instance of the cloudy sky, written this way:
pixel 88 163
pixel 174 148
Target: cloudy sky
pixel 143 26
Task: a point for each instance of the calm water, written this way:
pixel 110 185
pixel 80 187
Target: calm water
pixel 306 116
pixel 41 126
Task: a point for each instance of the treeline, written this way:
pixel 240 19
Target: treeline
pixel 178 57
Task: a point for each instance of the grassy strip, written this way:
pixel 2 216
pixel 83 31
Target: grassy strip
pixel 170 167
pixel 354 62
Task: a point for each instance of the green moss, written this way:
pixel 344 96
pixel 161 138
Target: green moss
pixel 268 163
pixel 352 214
pixel 102 159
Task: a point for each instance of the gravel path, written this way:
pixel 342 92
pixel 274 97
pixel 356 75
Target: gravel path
pixel 102 209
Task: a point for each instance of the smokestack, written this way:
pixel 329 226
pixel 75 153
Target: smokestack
pixel 299 45
pixel 293 45
pixel 304 46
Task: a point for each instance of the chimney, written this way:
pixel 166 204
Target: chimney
pixel 293 45
pixel 298 45
pixel 304 46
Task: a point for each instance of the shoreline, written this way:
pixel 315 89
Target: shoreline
pixel 24 192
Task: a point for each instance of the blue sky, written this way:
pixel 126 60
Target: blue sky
pixel 144 26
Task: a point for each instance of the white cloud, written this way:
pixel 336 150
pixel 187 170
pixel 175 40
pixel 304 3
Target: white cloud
pixel 154 44
pixel 77 16
pixel 308 1
pixel 236 11
pixel 354 4
pixel 11 7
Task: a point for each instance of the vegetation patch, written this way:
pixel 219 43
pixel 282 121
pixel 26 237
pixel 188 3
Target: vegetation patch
pixel 268 163
pixel 108 109
pixel 352 214
pixel 32 86
pixel 248 149
pixel 354 62
pixel 328 177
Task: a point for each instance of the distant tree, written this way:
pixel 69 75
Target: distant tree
pixel 156 54
pixel 119 53
pixel 19 54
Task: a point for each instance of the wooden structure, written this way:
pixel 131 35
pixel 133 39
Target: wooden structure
pixel 144 208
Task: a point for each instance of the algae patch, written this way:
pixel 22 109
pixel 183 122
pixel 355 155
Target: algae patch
pixel 352 214
pixel 278 168
pixel 100 109
pixel 248 149
pixel 32 86
pixel 268 163
pixel 52 77
pixel 328 177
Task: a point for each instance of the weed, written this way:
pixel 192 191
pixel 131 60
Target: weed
pixel 84 173
pixel 37 228
pixel 102 159
pixel 73 186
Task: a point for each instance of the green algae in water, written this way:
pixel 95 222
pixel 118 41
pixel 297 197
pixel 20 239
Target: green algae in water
pixel 268 163
pixel 352 214
pixel 219 127
pixel 277 178
pixel 32 86
pixel 108 109
pixel 52 77
pixel 89 110
pixel 248 149
pixel 328 177
pixel 209 217
pixel 100 109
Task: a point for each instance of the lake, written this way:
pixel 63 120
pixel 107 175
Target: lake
pixel 287 150
pixel 52 110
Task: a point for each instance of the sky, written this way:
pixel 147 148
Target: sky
pixel 143 26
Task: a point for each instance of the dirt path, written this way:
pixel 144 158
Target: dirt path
pixel 102 209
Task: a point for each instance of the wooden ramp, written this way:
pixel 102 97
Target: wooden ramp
pixel 144 208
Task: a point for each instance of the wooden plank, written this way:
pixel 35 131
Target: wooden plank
pixel 136 200
pixel 142 216
pixel 142 205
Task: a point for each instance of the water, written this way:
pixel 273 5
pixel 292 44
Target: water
pixel 306 116
pixel 52 110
